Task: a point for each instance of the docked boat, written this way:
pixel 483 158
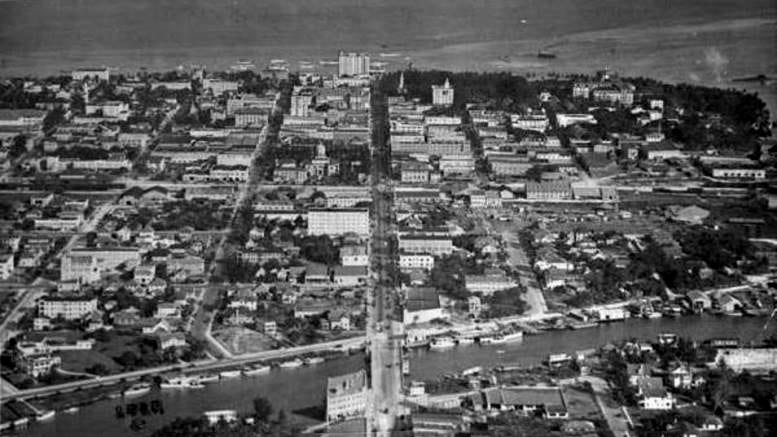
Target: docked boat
pixel 291 364
pixel 209 377
pixel 181 382
pixel 71 410
pixel 256 370
pixel 542 54
pixel 442 343
pixel 507 337
pixel 582 325
pixel 314 360
pixel 230 373
pixel 465 340
pixel 137 390
pixel 46 415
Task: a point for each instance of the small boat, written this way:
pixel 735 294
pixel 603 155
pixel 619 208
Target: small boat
pixel 389 55
pixel 70 410
pixel 181 382
pixel 314 360
pixel 256 370
pixel 230 373
pixel 487 339
pixel 137 390
pixel 500 351
pixel 291 364
pixel 46 415
pixel 442 343
pixel 465 340
pixel 209 377
pixel 545 55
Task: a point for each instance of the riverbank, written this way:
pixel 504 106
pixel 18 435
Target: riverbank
pixel 302 391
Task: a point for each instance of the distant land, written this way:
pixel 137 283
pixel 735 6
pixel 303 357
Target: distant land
pixel 710 42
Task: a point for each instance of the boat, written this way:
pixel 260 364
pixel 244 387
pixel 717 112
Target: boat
pixel 465 340
pixel 137 390
pixel 507 337
pixel 442 343
pixel 314 360
pixel 582 325
pixel 666 338
pixel 325 62
pixel 209 377
pixel 256 370
pixel 291 364
pixel 389 55
pixel 545 55
pixel 70 410
pixel 181 382
pixel 46 415
pixel 230 373
pixel 500 351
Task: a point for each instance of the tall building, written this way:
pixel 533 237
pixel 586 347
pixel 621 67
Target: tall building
pixel 442 95
pixel 353 64
pixel 346 396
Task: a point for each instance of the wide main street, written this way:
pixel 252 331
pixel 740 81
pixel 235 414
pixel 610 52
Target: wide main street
pixel 383 332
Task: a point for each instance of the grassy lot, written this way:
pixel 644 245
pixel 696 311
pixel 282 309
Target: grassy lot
pixel 243 340
pixel 79 361
pixel 581 404
pixel 116 345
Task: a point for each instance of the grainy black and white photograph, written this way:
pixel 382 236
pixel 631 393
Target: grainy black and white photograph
pixel 388 218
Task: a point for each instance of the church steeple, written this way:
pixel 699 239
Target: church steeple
pixel 401 86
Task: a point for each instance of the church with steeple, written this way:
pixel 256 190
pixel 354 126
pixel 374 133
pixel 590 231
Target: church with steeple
pixel 442 95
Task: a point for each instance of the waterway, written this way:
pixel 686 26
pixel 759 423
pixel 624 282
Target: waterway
pixel 304 388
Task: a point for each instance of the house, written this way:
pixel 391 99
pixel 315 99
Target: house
pixel 239 316
pixel 548 400
pixel 144 274
pixel 349 275
pixel 652 394
pixel 316 274
pixel 244 298
pixel 680 376
pixel 167 309
pixel 338 319
pixel 422 305
pixel 690 214
pixel 699 301
pixel 174 340
pixel 489 282
pixel 729 304
pixel 6 265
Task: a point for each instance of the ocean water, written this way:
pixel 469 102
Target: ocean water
pixel 700 41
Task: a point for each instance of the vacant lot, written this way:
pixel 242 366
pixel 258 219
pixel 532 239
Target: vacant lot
pixel 243 340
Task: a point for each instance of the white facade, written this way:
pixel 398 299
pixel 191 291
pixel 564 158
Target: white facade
pixel 69 309
pixel 442 95
pixel 353 64
pixel 416 261
pixel 338 221
pixel 346 396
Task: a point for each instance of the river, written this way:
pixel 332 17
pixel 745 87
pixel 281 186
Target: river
pixel 301 389
pixel 704 42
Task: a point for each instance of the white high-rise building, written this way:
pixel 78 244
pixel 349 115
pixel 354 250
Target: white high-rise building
pixel 442 95
pixel 353 64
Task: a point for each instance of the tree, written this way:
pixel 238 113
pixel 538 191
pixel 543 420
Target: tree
pixel 18 147
pixel 262 409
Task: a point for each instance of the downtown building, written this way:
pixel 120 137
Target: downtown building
pixel 353 64
pixel 346 396
pixel 326 221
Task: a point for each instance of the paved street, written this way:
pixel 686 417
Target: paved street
pixel 383 332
